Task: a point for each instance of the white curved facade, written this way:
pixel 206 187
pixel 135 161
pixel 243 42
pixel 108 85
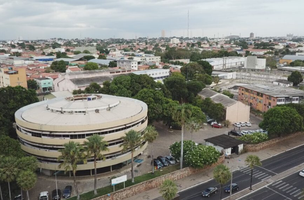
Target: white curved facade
pixel 44 127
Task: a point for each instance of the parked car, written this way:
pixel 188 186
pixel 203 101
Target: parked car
pixel 301 173
pixel 209 191
pixel 157 164
pixel 243 124
pixel 209 121
pixel 44 195
pixel 244 132
pixel 248 124
pixel 214 122
pixel 235 187
pixel 238 125
pixel 216 125
pixel 234 132
pixel 56 194
pixel 171 160
pixel 67 192
pixel 163 161
pixel 18 197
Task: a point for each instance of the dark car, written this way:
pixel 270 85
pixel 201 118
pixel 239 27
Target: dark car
pixel 235 187
pixel 67 192
pixel 157 163
pixel 234 132
pixel 209 191
pixel 171 160
pixel 56 194
pixel 18 197
pixel 163 160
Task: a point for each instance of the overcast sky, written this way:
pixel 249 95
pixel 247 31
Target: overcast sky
pixel 43 19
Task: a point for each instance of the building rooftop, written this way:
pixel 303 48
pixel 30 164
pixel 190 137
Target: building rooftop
pixel 293 57
pixel 275 91
pixel 87 81
pixel 100 61
pixel 224 141
pixel 81 110
pixel 283 81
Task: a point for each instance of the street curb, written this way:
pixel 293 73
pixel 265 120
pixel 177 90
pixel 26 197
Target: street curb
pixel 192 186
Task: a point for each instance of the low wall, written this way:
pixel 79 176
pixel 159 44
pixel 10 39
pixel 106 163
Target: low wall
pixel 269 143
pixel 156 182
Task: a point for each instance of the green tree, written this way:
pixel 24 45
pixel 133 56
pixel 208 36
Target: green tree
pixel 58 66
pixel 8 171
pixel 200 156
pixel 184 115
pixel 112 64
pixel 86 51
pixel 94 146
pixel 31 47
pixel 88 57
pixel 26 181
pixel 150 134
pixel 91 66
pixel 13 98
pixel 102 56
pixel 32 84
pixel 93 88
pixel 281 120
pixel 271 62
pixel 56 45
pixel 252 161
pixel 296 78
pixel 175 148
pixel 76 52
pixel 168 190
pixel 222 175
pixel 216 79
pixel 176 84
pixel 227 93
pixel 206 66
pixel 71 155
pixel 10 147
pixel 131 141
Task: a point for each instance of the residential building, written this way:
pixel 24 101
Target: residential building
pixel 262 98
pixel 128 64
pixel 225 144
pixel 174 41
pixel 44 127
pixel 156 74
pixel 44 84
pixel 235 111
pixel 13 77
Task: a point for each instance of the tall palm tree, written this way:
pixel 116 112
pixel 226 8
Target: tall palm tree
pixel 182 113
pixel 168 190
pixel 131 141
pixel 71 155
pixel 9 171
pixel 252 161
pixel 222 175
pixel 150 134
pixel 94 147
pixel 26 181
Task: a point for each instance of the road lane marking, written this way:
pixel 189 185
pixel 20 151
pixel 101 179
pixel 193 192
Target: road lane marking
pixel 279 185
pixel 294 192
pixel 288 188
pixel 276 183
pixel 279 193
pixel 298 194
pixel 291 190
pixel 300 197
pixel 284 186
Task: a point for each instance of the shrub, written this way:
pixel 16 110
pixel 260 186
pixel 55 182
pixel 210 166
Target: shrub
pixel 254 138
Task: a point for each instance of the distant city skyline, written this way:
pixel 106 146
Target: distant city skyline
pixel 43 19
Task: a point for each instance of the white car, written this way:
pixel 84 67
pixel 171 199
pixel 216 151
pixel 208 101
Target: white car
pixel 238 125
pixel 243 124
pixel 248 124
pixel 301 173
pixel 244 132
pixel 44 195
pixel 213 123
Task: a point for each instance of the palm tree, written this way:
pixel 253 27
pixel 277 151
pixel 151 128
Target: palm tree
pixel 26 181
pixel 183 114
pixel 150 134
pixel 252 161
pixel 222 175
pixel 131 141
pixel 168 190
pixel 71 155
pixel 9 171
pixel 94 147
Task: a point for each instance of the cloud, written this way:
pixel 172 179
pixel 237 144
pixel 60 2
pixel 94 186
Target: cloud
pixel 129 18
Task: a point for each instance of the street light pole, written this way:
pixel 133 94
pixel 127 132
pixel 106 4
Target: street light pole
pixel 231 184
pixel 56 182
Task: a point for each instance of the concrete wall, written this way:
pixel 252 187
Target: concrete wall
pixel 238 112
pixel 156 182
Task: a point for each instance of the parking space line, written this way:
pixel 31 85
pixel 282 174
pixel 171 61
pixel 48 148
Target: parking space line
pixel 298 194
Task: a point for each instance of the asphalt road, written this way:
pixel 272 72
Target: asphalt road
pixel 270 167
pixel 290 188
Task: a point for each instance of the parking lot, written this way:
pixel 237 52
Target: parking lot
pixel 160 147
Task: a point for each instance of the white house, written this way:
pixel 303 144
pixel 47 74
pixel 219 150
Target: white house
pixel 225 144
pixel 156 74
pixel 128 64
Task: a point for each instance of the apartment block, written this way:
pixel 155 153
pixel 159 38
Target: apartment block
pixel 13 77
pixel 262 98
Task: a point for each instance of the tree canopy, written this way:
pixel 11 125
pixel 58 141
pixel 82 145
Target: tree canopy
pixel 32 84
pixel 281 120
pixel 296 78
pixel 91 66
pixel 58 66
pixel 201 156
pixel 13 98
pixel 168 190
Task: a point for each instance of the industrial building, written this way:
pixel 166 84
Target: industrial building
pixel 44 127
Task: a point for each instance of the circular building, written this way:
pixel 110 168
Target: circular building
pixel 44 127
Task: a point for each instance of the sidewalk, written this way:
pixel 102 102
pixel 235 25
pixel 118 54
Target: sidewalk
pixel 233 164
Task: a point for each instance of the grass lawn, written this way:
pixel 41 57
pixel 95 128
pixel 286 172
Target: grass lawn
pixel 137 179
